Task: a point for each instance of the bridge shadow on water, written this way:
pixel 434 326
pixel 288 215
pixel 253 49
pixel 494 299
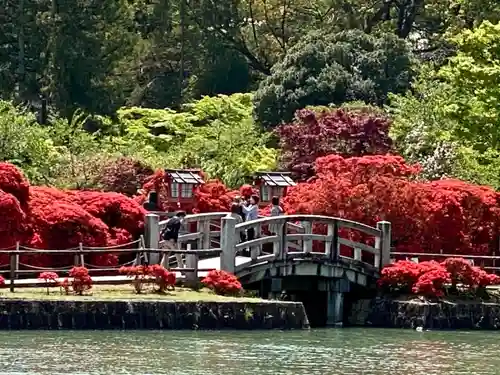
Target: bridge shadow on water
pixel 316 305
pixel 316 300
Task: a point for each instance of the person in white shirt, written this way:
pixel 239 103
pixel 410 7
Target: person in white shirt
pixel 251 213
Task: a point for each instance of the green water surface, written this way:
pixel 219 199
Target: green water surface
pixel 325 352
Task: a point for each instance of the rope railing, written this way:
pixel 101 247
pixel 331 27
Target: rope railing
pixel 44 268
pixel 112 247
pixel 96 267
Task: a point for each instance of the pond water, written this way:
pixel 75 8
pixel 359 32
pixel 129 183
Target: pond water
pixel 323 351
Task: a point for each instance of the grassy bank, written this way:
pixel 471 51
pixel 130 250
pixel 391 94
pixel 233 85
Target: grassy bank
pixel 122 292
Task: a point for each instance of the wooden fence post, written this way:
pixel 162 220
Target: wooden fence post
pixel 384 243
pixel 152 236
pixel 228 244
pixel 14 266
pixel 81 258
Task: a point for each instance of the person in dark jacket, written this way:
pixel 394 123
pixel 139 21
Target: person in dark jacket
pixel 171 234
pixel 239 202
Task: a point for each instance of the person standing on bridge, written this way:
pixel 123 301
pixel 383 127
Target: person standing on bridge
pixel 171 235
pixel 276 210
pixel 236 208
pixel 251 213
pixel 235 213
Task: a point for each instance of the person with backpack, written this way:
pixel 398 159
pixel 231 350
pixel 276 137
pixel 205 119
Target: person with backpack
pixel 171 235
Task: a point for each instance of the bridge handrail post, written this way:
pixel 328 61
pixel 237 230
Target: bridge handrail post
pixel 192 262
pixel 307 244
pixel 279 247
pixel 203 226
pixel 152 236
pixel 384 243
pixel 228 244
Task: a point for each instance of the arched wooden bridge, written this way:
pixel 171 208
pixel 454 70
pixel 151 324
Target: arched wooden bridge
pixel 295 259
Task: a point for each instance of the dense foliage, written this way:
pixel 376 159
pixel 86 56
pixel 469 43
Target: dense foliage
pixel 223 283
pixel 448 216
pixel 333 68
pixel 316 133
pixel 98 95
pixel 47 218
pixel 433 279
pixel 81 280
pixel 149 274
pixel 50 278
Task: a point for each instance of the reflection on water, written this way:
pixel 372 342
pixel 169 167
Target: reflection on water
pixel 325 352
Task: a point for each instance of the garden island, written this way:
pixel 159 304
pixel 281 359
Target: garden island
pixel 359 125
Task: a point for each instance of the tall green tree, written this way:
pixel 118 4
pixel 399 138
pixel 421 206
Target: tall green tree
pixel 474 74
pixel 334 68
pixel 89 44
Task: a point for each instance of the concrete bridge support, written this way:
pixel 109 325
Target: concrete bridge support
pixel 335 301
pixel 152 236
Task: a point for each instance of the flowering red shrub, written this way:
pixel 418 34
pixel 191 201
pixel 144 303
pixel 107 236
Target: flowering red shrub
pixel 443 216
pixel 345 132
pixel 81 280
pixel 49 278
pixel 48 218
pixel 213 196
pixel 150 274
pixel 164 279
pixel 432 283
pixel 124 175
pixel 139 273
pixel 13 182
pixel 223 283
pixel 248 191
pixel 432 278
pixel 2 280
pixel 156 182
pixel 114 209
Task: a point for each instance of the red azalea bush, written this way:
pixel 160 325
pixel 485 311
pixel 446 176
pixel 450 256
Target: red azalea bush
pixel 433 279
pixel 248 190
pixel 13 182
pixel 345 132
pixel 222 283
pixel 81 280
pixel 48 218
pixel 49 278
pixel 446 216
pixel 163 278
pixel 213 196
pixel 124 175
pixel 156 274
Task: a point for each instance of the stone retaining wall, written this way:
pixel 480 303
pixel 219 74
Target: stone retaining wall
pixel 46 314
pixel 394 313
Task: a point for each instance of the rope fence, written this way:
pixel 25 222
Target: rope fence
pixel 17 270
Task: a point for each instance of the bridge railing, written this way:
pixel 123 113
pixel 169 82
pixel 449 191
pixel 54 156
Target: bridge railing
pixel 290 240
pixel 200 231
pixel 278 237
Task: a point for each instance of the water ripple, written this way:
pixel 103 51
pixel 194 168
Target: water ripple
pixel 322 352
